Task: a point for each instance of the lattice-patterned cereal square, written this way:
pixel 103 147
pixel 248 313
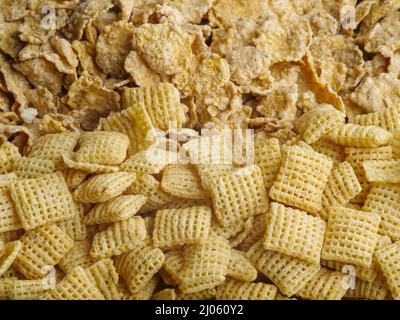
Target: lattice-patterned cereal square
pixel 42 249
pixel 384 199
pixel 332 150
pixel 32 289
pixel 75 228
pixel 9 152
pixel 144 294
pixel 287 273
pixel 117 209
pixel 389 260
pixel 79 255
pixel 210 171
pixel 42 200
pixel 354 135
pixel 25 167
pixel 351 236
pixel 240 267
pixel 267 155
pixel 237 290
pixel 325 285
pixel 8 254
pixel 150 187
pixel 119 238
pixel 301 179
pixel 104 187
pixel 239 195
pixel 342 186
pixel 177 227
pixel 88 167
pixel 149 161
pixel 294 233
pixel 183 181
pixel 205 265
pixel 102 147
pixel 162 103
pixel 318 121
pixel 105 277
pixel 138 266
pixel 53 146
pixel 369 290
pixel 382 171
pixel 9 219
pixel 388 119
pixel 75 286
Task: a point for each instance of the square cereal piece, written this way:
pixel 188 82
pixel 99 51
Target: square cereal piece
pixel 102 147
pixel 382 171
pixel 369 290
pixel 351 236
pixel 177 227
pixel 25 167
pixel 384 199
pixel 42 249
pixel 325 285
pixel 289 274
pixel 295 233
pixel 389 260
pixel 301 179
pixel 238 290
pixel 41 200
pixel 239 195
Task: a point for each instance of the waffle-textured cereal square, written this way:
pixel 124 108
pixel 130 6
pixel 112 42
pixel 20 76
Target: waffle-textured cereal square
pixel 117 209
pixel 103 187
pixel 9 219
pixel 351 236
pixel 294 233
pixel 119 238
pixel 105 277
pixel 75 228
pixel 139 265
pixel 342 186
pixel 210 171
pixel 41 200
pixel 384 199
pixel 369 290
pixel 301 179
pixel 25 167
pixel 53 146
pixel 289 274
pixel 102 147
pixel 42 248
pixel 183 181
pixel 388 119
pixel 239 195
pixel 204 265
pixel 149 161
pixel 237 290
pixel 79 255
pixel 31 289
pixel 317 122
pixel 389 260
pixel 332 150
pixel 177 227
pixel 354 135
pixel 325 285
pixel 8 254
pixel 162 103
pixel 386 171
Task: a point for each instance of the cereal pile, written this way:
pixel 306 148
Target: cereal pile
pixel 99 98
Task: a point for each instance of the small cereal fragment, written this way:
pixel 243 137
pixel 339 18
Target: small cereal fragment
pixel 384 199
pixel 56 203
pixel 177 227
pixel 287 273
pixel 8 254
pixel 102 147
pixel 294 233
pixel 238 195
pixel 103 187
pixel 42 249
pixel 351 236
pixel 204 265
pixel 387 171
pixel 325 285
pixel 240 267
pixel 237 290
pixel 342 186
pixel 317 122
pixel 118 238
pixel 388 119
pixel 183 181
pixel 117 209
pixel 138 266
pixel 165 294
pixel 388 259
pixel 354 135
pixel 369 290
pixel 301 179
pixel 74 177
